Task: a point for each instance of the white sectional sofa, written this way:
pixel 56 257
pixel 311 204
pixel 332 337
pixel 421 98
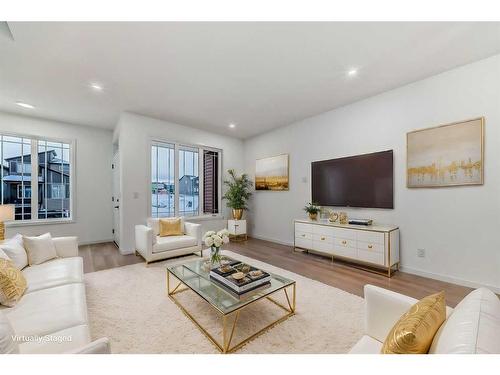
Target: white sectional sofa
pixel 51 317
pixel 473 327
pixel 152 247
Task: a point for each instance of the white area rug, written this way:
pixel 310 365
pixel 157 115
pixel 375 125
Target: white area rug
pixel 129 305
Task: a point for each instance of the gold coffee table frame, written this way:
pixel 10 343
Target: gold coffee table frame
pixel 230 320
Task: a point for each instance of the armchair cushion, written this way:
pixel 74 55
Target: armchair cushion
pixel 473 328
pixel 173 243
pixel 171 227
pixel 154 222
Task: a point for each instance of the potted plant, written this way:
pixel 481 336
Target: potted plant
pixel 238 193
pixel 312 210
pixel 215 240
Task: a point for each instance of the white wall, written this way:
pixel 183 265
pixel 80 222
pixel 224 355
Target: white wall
pixel 134 136
pixel 93 221
pixel 458 227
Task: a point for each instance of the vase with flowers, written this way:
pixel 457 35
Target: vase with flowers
pixel 215 240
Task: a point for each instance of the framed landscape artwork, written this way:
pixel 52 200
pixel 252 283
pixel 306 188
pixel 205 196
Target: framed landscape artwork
pixel 446 155
pixel 272 173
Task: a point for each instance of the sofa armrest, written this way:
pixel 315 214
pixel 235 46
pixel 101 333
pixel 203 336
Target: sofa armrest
pixel 383 308
pixel 193 230
pixel 144 239
pixel 100 346
pixel 66 247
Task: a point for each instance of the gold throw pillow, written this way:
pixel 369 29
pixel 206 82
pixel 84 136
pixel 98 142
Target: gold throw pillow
pixel 170 227
pixel 12 283
pixel 414 331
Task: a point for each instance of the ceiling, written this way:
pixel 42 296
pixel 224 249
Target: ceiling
pixel 258 76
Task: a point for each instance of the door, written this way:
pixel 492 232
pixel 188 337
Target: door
pixel 116 199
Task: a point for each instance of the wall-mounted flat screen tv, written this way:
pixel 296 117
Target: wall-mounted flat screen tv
pixel 355 181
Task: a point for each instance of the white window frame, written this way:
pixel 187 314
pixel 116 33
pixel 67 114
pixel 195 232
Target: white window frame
pixel 34 180
pixel 177 147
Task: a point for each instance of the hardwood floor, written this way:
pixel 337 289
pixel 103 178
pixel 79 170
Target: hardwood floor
pixel 340 275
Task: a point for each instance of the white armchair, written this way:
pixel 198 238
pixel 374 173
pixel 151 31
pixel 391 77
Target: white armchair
pixel 152 247
pixel 467 329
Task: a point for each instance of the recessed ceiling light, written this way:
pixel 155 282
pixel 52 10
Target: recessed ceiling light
pixel 25 105
pixel 96 86
pixel 352 72
pixel 232 126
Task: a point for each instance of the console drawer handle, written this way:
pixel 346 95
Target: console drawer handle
pixel 370 246
pixel 323 238
pixel 303 235
pixel 344 242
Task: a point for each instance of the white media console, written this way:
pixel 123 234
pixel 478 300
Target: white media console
pixel 376 246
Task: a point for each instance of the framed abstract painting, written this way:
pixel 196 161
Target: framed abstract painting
pixel 446 155
pixel 272 173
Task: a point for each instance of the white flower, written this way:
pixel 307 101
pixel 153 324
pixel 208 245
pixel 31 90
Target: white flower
pixel 223 233
pixel 217 241
pixel 210 233
pixel 225 239
pixel 209 241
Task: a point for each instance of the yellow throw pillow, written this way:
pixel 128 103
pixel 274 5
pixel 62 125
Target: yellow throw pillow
pixel 414 331
pixel 170 227
pixel 12 283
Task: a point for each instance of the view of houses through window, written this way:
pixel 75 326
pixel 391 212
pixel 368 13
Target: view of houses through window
pixel 51 182
pixel 164 200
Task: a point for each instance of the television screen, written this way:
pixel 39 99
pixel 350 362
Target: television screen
pixel 355 181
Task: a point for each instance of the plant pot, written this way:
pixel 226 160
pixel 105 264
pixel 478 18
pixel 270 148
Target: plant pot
pixel 237 213
pixel 313 216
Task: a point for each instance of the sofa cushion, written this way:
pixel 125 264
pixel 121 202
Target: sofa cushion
pixel 12 283
pixel 39 249
pixel 155 224
pixel 49 310
pixel 366 345
pixel 473 327
pixel 7 343
pixel 15 251
pixel 62 341
pixel 173 243
pixel 3 255
pixel 415 330
pixel 54 273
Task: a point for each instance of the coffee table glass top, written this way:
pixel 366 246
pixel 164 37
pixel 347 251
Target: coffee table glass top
pixel 196 276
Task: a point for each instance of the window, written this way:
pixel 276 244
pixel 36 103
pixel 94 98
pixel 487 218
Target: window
pixel 162 180
pixel 182 182
pixel 36 177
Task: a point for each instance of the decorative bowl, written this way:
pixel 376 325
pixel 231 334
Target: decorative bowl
pixel 238 275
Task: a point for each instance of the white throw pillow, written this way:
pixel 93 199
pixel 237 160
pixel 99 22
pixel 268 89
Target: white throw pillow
pixel 3 255
pixel 14 249
pixel 40 249
pixel 472 328
pixel 7 343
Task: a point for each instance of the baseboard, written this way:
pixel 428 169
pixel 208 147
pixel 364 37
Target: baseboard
pixel 271 239
pixel 449 279
pixel 95 242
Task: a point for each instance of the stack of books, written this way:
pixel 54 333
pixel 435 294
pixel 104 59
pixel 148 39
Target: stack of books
pixel 254 278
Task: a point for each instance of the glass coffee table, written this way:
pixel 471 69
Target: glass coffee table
pixel 194 276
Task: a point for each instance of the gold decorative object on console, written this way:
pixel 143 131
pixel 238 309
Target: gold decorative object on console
pixel 7 213
pixel 343 218
pixel 333 217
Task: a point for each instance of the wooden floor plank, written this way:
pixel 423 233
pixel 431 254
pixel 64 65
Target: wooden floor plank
pixel 337 274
